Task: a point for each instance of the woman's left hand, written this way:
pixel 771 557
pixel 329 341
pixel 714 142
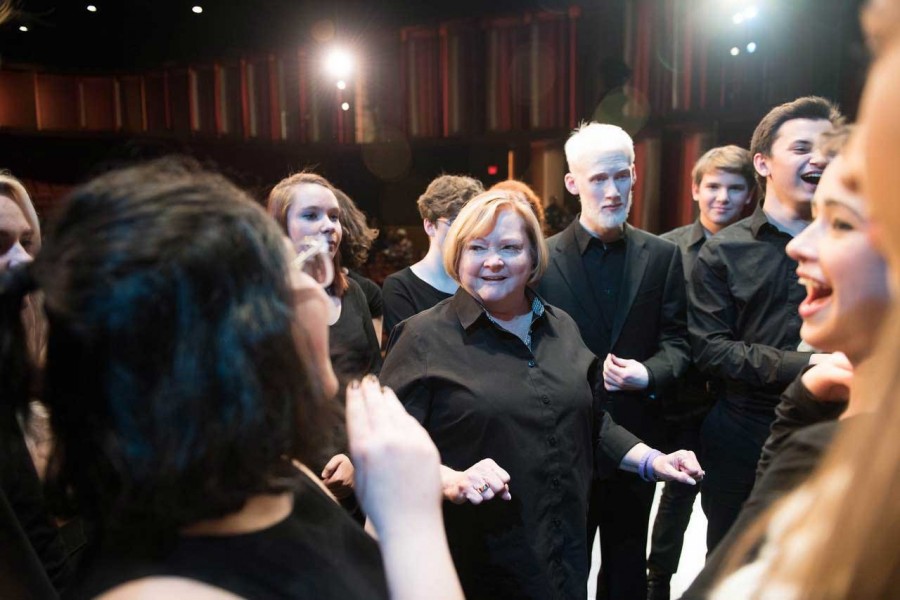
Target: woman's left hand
pixel 681 466
pixel 338 476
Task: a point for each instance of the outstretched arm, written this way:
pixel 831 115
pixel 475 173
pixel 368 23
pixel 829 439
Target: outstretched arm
pixel 398 483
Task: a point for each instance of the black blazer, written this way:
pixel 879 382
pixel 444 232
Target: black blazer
pixel 648 326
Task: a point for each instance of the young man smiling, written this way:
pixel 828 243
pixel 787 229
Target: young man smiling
pixel 742 310
pixel 723 186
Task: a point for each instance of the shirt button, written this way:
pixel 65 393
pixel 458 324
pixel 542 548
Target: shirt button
pixel 545 399
pixel 557 522
pixel 552 440
pixel 556 482
pixel 531 363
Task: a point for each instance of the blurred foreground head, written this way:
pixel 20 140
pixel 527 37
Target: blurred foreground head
pixel 176 374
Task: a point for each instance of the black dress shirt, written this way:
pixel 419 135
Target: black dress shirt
pixel 482 393
pixel 742 316
pixel 604 263
pixel 696 392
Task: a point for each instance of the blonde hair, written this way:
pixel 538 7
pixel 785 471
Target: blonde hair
pixel 597 137
pixel 32 308
pixel 13 188
pixel 850 531
pixel 479 217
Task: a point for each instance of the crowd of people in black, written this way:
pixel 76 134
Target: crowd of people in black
pixel 194 401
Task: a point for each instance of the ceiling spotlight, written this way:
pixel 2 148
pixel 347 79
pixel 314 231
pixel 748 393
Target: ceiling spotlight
pixel 751 47
pixel 23 28
pixel 345 106
pixel 197 9
pixel 91 8
pixel 738 18
pixel 750 12
pixel 338 63
pixel 735 51
pixel 342 85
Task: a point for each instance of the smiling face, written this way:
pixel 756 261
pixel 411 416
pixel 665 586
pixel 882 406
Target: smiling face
pixel 602 181
pixel 722 197
pixel 792 171
pixel 314 212
pixel 15 235
pixel 879 126
pixel 495 266
pixel 845 278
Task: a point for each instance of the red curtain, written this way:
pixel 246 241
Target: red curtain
pixel 421 74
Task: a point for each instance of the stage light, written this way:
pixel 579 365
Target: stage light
pixel 735 51
pixel 345 106
pixel 342 85
pixel 22 28
pixel 751 47
pixel 738 18
pixel 197 9
pixel 493 169
pixel 750 12
pixel 338 63
pixel 91 8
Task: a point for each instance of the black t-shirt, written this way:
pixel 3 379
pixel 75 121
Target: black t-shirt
pixel 316 552
pixel 372 292
pixel 353 345
pixel 406 295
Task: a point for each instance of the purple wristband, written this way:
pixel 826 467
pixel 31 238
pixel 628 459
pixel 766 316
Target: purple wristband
pixel 645 468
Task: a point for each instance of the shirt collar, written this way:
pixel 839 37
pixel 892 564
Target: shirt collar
pixel 758 220
pixel 584 239
pixel 469 310
pixel 697 234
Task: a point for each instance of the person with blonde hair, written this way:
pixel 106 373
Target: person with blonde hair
pixel 836 536
pixel 505 387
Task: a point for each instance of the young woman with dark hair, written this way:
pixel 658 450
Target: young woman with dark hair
pixel 184 383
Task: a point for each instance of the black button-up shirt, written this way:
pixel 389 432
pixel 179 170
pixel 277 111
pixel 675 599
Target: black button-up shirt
pixel 696 392
pixel 604 263
pixel 482 393
pixel 742 315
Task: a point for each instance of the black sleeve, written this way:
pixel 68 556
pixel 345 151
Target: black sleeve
pixel 25 520
pixel 797 459
pixel 612 441
pixel 398 304
pixel 374 299
pixel 798 409
pixel 671 360
pixel 712 325
pixel 405 371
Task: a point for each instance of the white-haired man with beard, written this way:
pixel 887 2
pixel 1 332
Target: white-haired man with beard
pixel 625 289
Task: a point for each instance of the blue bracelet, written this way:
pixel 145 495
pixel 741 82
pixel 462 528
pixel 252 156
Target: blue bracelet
pixel 645 468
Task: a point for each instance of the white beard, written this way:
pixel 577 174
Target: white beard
pixel 613 221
